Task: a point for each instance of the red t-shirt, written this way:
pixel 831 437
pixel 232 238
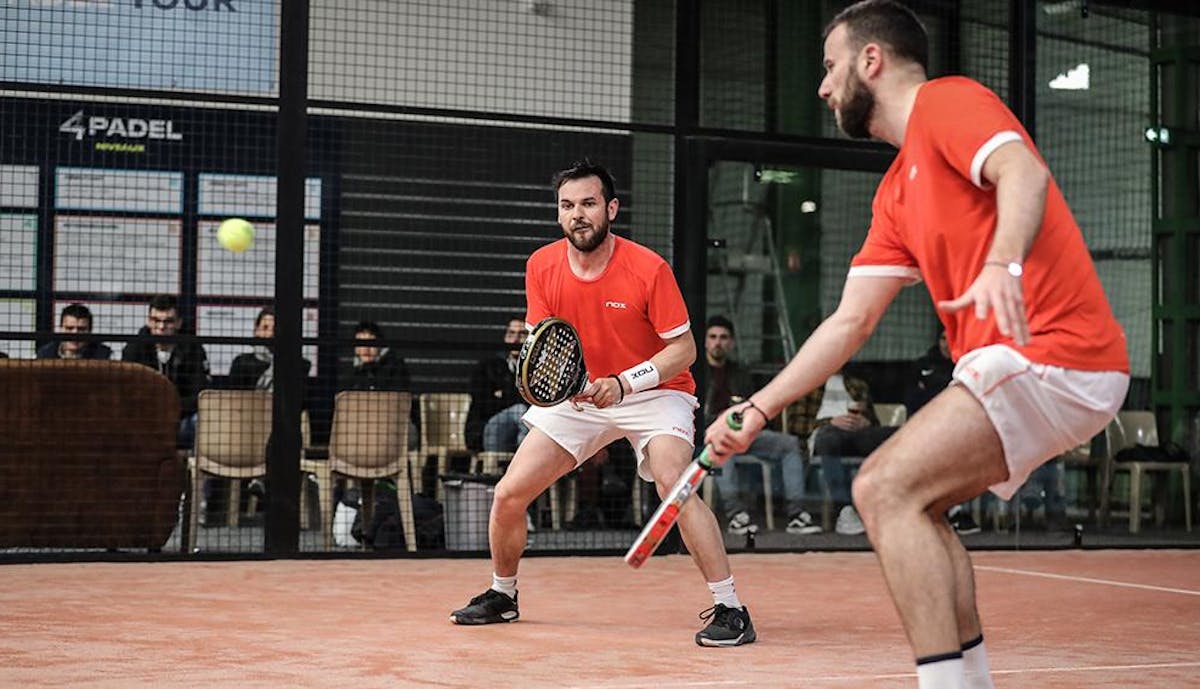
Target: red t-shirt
pixel 623 316
pixel 934 217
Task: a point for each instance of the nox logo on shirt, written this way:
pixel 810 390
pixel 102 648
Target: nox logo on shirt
pixel 614 305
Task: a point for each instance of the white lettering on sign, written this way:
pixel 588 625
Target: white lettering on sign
pixel 80 125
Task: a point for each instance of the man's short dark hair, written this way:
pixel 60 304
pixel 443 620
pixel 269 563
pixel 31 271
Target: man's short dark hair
pixel 586 168
pixel 164 302
pixel 721 322
pixel 266 311
pixel 369 327
pixel 77 311
pixel 887 22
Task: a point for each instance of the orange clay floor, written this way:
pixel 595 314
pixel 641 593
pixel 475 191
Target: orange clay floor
pixel 1052 619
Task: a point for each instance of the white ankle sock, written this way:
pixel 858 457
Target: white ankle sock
pixel 941 672
pixel 975 664
pixel 723 592
pixel 505 585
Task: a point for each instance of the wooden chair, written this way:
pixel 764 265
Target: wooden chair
pixel 1131 428
pixel 443 429
pixel 368 440
pixel 232 429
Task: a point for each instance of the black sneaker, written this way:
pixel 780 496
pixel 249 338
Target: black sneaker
pixel 964 524
pixel 740 524
pixel 726 627
pixel 802 523
pixel 489 607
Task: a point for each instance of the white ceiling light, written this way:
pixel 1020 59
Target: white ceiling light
pixel 1053 8
pixel 1076 79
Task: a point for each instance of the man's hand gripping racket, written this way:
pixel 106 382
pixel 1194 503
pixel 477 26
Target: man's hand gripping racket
pixel 668 512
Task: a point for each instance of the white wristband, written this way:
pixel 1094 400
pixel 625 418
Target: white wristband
pixel 644 376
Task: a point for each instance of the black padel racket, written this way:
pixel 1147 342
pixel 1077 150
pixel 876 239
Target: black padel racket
pixel 550 367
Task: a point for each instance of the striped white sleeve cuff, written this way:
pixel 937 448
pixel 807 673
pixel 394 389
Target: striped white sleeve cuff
pixel 986 150
pixel 676 332
pixel 909 273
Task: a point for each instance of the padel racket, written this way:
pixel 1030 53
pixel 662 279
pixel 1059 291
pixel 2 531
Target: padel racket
pixel 668 512
pixel 550 367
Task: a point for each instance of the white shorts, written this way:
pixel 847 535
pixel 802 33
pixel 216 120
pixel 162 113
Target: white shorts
pixel 1039 411
pixel 641 416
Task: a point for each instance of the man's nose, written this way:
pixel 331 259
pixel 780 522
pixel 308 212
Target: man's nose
pixel 823 89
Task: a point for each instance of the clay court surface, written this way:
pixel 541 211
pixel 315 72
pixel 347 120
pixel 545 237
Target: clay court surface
pixel 1053 619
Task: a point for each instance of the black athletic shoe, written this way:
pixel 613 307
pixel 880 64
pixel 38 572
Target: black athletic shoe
pixel 726 627
pixel 964 524
pixel 489 607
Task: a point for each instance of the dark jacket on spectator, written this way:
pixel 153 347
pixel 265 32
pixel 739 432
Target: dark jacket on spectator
pixel 388 372
pixel 187 368
pixel 724 382
pixel 245 373
pixel 493 389
pixel 931 374
pixel 90 350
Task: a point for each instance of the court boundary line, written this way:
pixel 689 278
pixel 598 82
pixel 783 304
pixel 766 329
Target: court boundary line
pixel 658 683
pixel 1086 580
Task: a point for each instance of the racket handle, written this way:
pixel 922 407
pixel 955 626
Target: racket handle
pixel 734 419
pixel 668 512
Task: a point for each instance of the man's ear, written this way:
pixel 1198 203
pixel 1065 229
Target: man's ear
pixel 871 59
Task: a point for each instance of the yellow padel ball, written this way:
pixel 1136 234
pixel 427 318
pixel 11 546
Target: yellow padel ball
pixel 236 234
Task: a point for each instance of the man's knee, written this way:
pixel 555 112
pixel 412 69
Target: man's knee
pixel 666 470
pixel 877 494
pixel 510 498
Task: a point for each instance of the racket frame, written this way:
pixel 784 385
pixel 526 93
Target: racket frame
pixel 523 361
pixel 668 512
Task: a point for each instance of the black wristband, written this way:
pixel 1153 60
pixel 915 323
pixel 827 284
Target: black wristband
pixel 750 404
pixel 620 387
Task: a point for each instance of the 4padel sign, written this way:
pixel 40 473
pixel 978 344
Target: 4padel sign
pixel 119 133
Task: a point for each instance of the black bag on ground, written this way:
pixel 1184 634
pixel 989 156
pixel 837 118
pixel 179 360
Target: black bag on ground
pixel 386 530
pixel 431 531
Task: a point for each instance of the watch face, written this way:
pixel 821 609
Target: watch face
pixel 1014 269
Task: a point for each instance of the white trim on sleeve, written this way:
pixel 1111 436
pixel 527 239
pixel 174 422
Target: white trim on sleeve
pixel 676 332
pixel 908 272
pixel 989 147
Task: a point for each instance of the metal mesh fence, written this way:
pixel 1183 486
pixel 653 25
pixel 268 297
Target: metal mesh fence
pixel 131 130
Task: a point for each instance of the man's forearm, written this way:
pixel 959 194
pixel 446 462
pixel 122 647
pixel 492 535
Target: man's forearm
pixel 1020 205
pixel 829 347
pixel 675 357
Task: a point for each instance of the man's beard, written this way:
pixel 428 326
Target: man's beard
pixel 855 113
pixel 599 234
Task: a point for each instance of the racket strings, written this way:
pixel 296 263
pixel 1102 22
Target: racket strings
pixel 556 364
